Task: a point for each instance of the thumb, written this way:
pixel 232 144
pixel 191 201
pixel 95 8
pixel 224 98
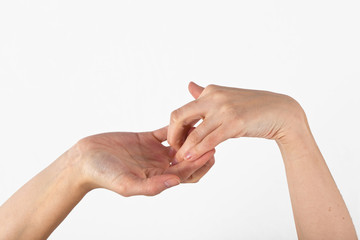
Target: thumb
pixel 195 89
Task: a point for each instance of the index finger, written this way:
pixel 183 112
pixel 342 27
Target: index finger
pixel 185 168
pixel 182 119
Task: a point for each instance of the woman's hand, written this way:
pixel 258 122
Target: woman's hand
pixel 318 208
pixel 229 113
pixel 126 163
pixel 134 163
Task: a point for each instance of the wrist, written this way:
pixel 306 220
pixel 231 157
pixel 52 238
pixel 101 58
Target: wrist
pixel 296 141
pixel 71 167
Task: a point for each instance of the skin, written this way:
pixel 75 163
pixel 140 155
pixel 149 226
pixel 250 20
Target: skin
pixel 138 164
pixel 318 207
pixel 126 163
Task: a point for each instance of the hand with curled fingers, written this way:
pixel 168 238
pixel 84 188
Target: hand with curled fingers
pixel 135 163
pixel 124 162
pixel 230 113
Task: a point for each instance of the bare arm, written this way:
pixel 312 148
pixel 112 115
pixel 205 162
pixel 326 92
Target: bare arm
pixel 36 209
pixel 319 210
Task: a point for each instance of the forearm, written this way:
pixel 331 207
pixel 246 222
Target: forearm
pixel 37 208
pixel 319 209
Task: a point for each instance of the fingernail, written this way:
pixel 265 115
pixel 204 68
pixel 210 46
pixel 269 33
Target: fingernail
pixel 171 182
pixel 188 156
pixel 174 161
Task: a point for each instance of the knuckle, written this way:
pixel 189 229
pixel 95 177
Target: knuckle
pixel 210 88
pixel 230 113
pixel 219 96
pixel 212 140
pixel 175 115
pixel 216 92
pixel 194 137
pixel 228 109
pixel 86 144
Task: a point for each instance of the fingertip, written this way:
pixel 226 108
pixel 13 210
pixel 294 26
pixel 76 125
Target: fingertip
pixel 189 157
pixel 177 158
pixel 161 134
pixel 190 84
pixel 194 156
pixel 172 152
pixel 195 89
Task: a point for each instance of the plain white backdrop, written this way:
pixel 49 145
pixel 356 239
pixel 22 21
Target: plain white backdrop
pixel 69 69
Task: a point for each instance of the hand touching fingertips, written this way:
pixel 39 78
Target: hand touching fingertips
pixel 228 113
pixel 200 140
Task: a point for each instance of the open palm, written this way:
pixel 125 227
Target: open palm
pixel 136 163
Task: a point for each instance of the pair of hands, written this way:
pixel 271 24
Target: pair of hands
pixel 139 164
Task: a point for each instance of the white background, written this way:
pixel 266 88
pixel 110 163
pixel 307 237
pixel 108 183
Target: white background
pixel 69 69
